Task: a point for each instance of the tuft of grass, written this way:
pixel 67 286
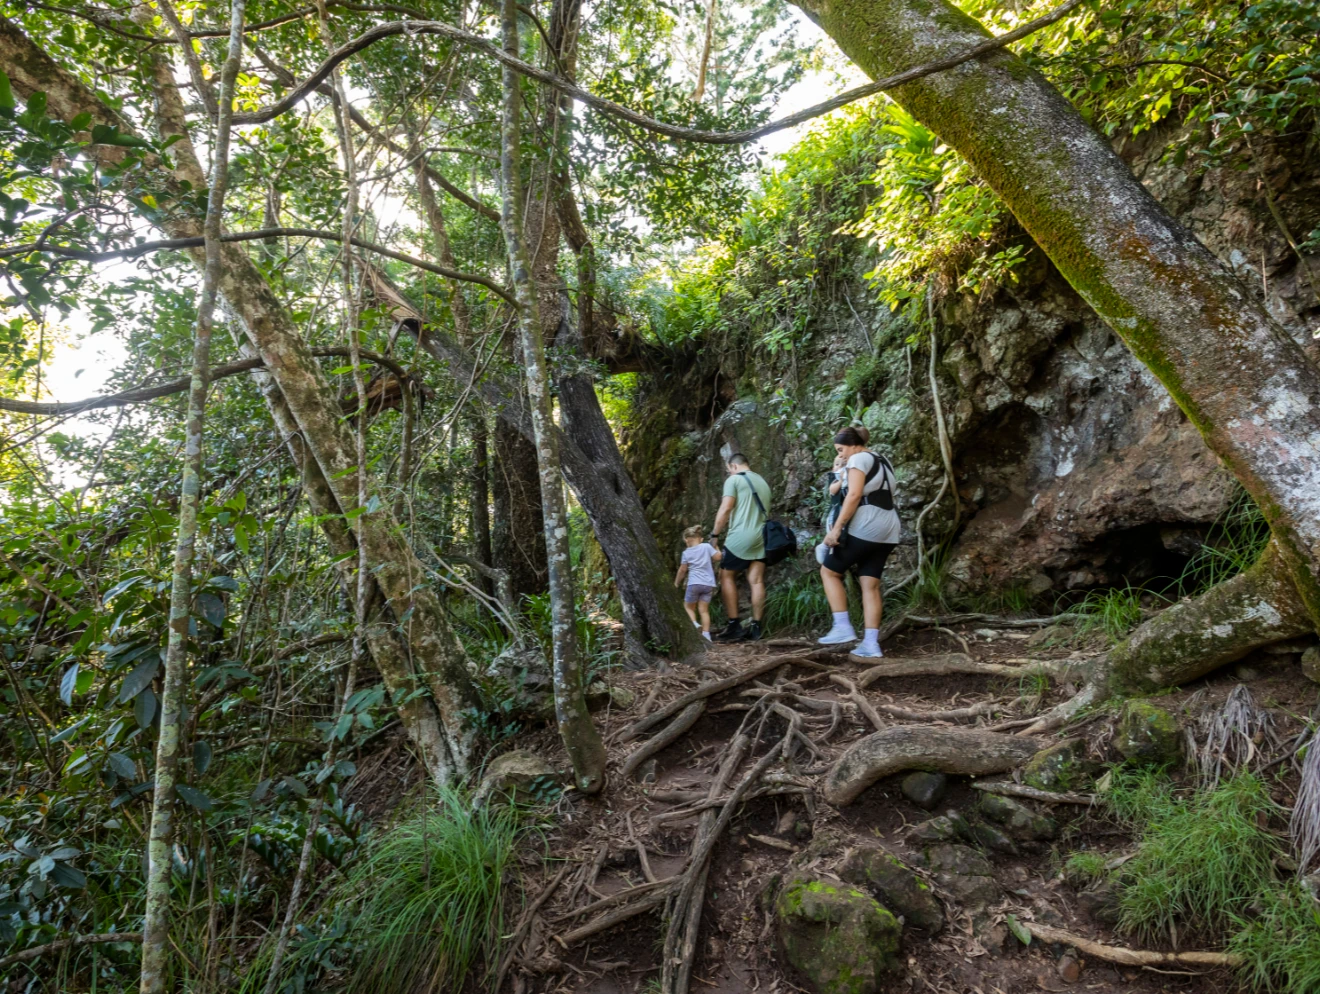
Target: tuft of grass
pixel 799 604
pixel 1234 542
pixel 1204 857
pixel 928 593
pixel 1280 947
pixel 425 904
pixel 1115 612
pixel 1086 866
pixel 1016 599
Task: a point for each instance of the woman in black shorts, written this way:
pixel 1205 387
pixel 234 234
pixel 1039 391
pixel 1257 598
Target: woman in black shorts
pixel 861 537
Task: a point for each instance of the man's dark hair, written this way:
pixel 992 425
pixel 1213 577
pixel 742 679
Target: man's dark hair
pixel 738 459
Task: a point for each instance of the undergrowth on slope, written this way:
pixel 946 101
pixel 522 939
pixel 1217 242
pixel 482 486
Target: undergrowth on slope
pixel 425 903
pixel 1203 857
pixel 1205 871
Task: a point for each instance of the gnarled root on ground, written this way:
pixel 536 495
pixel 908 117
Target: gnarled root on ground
pixel 959 662
pixel 670 734
pixel 1130 957
pixel 917 747
pixel 1195 637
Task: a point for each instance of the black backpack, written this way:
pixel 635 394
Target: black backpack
pixel 780 541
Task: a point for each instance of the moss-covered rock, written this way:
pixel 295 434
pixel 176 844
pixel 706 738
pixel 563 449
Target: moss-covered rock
pixel 898 887
pixel 841 940
pixel 1061 767
pixel 1148 735
pixel 1018 820
pixel 1311 663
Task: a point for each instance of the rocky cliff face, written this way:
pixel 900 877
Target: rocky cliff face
pixel 1073 466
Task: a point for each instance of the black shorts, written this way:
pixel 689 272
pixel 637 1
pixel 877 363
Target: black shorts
pixel 867 558
pixel 734 564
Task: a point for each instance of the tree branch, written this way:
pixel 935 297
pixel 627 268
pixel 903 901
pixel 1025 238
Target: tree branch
pixel 165 244
pixel 59 945
pixel 393 28
pixel 140 395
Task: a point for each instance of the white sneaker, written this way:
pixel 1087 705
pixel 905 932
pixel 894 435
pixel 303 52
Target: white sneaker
pixel 865 651
pixel 838 635
pixel 706 636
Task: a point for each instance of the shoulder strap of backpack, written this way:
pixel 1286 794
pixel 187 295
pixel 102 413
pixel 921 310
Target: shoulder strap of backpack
pixel 755 496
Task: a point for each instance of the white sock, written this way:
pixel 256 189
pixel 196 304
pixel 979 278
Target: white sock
pixel 841 619
pixel 696 624
pixel 872 638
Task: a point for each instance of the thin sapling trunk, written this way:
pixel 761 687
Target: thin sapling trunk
pixel 581 739
pixel 156 924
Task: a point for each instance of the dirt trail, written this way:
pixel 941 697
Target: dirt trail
pixel 642 829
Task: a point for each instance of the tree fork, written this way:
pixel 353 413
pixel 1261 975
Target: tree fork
pixel 1237 374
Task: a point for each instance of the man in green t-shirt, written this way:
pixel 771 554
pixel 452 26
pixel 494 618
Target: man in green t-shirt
pixel 744 507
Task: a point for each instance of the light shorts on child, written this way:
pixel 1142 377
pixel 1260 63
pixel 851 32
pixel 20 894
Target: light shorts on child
pixel 698 593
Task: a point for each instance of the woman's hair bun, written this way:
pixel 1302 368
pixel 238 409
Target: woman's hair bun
pixel 853 435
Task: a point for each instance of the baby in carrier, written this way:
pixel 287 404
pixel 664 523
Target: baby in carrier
pixel 698 568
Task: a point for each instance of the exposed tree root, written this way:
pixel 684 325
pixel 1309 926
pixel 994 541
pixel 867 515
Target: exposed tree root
pixel 671 733
pixel 957 662
pixel 917 747
pixel 705 690
pixel 1194 637
pixel 1130 957
pixel 520 933
pixel 1009 789
pixel 859 699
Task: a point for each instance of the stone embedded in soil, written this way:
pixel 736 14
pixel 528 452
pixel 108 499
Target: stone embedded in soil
pixel 511 773
pixel 839 939
pixel 991 837
pixel 1100 901
pixel 1061 767
pixel 897 887
pixel 1018 820
pixel 1311 664
pixel 1148 735
pixel 925 790
pixel 1070 968
pixel 941 828
pixel 964 873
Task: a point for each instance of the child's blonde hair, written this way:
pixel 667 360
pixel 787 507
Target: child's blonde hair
pixel 694 531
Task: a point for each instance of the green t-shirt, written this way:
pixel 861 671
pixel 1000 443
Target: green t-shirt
pixel 745 537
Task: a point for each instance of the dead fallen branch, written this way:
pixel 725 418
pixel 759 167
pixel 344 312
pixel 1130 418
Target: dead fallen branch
pixel 1009 789
pixel 520 934
pixel 623 897
pixel 1130 957
pixel 953 714
pixel 918 747
pixel 705 690
pixel 59 945
pixel 670 734
pixel 648 902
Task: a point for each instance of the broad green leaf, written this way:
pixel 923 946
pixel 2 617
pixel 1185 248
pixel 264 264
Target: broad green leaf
pixel 69 685
pixel 201 756
pixel 122 766
pixel 144 707
pixel 139 679
pixel 194 797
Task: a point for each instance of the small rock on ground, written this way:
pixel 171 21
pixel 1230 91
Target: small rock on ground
pixel 925 790
pixel 1018 820
pixel 1148 735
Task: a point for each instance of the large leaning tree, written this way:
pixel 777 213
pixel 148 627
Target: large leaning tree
pixel 1238 375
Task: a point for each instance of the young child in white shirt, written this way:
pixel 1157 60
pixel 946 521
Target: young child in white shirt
pixel 699 570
